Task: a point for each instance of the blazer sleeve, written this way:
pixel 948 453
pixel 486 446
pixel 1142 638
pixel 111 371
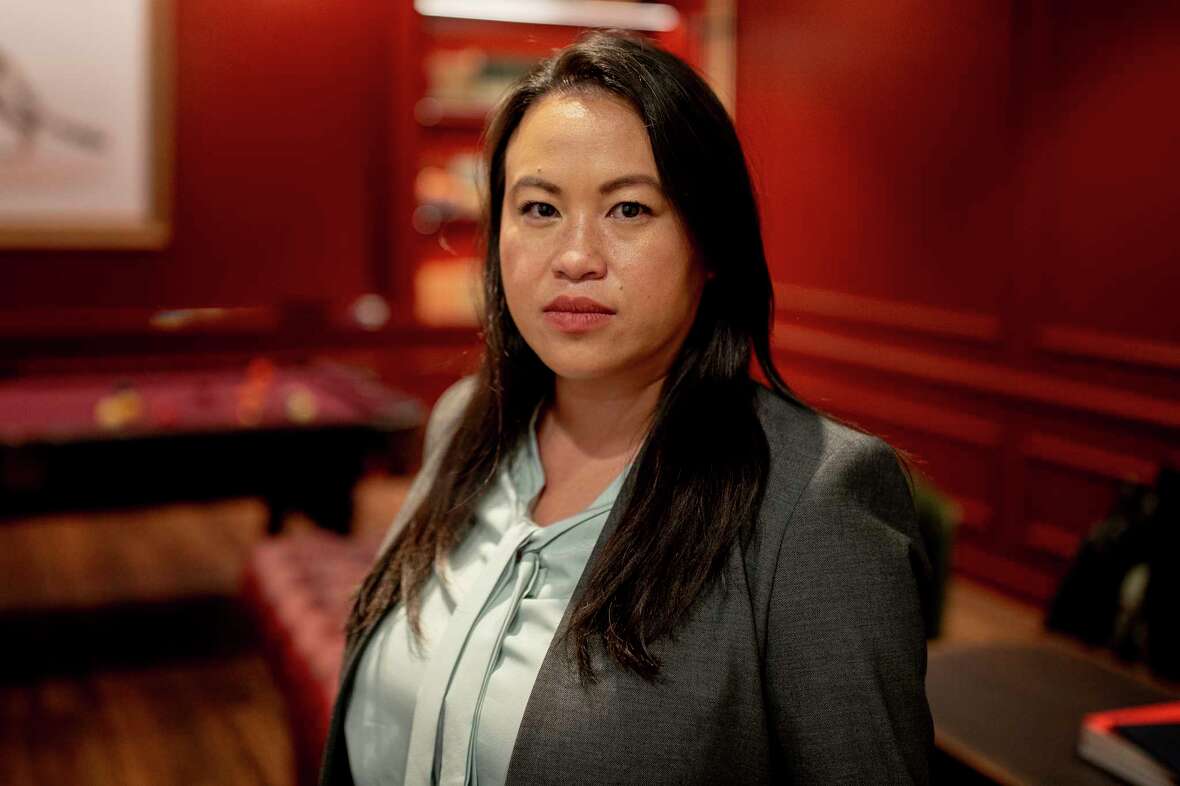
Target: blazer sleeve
pixel 845 646
pixel 445 416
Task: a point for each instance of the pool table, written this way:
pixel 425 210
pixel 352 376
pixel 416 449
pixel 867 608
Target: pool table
pixel 297 436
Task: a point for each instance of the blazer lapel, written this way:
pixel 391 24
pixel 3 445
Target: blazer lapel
pixel 555 668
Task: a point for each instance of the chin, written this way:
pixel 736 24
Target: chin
pixel 577 369
pixel 602 357
pixel 578 363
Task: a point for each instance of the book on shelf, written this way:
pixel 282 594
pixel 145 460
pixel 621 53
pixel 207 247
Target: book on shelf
pixel 1141 745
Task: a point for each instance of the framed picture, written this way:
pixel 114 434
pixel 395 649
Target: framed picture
pixel 86 90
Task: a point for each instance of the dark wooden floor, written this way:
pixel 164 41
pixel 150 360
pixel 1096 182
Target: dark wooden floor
pixel 126 657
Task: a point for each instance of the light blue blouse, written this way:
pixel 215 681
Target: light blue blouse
pixel 446 710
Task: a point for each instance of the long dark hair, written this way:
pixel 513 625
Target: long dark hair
pixel 697 484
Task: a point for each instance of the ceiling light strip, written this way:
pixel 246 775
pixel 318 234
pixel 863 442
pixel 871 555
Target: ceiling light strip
pixel 647 17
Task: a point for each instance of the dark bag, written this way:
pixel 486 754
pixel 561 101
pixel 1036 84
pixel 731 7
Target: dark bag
pixel 1122 590
pixel 1161 602
pixel 1087 601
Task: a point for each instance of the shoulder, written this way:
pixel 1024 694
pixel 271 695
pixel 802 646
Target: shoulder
pixel 440 427
pixel 834 496
pixel 801 439
pixel 447 413
pixel 816 459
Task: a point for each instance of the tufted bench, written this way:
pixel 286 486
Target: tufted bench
pixel 299 588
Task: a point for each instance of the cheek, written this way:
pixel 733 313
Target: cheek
pixel 507 244
pixel 672 282
pixel 510 263
pixel 678 304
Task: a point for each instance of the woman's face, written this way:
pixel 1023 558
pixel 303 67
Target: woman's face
pixel 598 271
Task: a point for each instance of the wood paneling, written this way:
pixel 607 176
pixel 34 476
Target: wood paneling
pixel 967 211
pixel 1052 539
pixel 950 424
pixel 1088 458
pixel 1113 347
pixel 892 314
pixel 978 376
pixel 1012 575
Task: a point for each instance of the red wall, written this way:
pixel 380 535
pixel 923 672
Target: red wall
pixel 970 212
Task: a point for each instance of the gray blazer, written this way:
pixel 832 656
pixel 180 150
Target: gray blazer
pixel 805 664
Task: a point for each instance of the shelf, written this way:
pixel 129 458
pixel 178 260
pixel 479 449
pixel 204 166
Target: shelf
pixel 646 17
pixel 429 220
pixel 448 114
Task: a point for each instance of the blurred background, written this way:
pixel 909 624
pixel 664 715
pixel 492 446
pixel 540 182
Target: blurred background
pixel 238 245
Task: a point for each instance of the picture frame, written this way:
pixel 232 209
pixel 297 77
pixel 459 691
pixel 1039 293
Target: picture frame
pixel 86 123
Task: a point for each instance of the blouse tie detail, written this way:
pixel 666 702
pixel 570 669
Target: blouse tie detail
pixel 446 710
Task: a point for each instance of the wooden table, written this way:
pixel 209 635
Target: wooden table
pixel 1012 711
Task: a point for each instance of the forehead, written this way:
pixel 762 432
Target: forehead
pixel 580 133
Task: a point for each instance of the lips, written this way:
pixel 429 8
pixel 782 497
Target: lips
pixel 577 305
pixel 577 314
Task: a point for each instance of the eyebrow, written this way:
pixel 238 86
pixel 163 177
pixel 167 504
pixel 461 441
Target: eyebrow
pixel 531 181
pixel 629 180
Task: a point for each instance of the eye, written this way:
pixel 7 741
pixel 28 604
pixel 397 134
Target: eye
pixel 538 210
pixel 630 210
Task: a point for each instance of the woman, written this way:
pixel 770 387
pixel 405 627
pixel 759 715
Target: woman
pixel 624 560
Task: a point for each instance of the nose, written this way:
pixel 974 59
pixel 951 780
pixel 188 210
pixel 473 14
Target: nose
pixel 579 256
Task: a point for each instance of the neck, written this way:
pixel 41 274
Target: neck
pixel 604 418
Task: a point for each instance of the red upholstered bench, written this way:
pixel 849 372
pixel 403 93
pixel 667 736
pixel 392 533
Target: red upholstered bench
pixel 300 588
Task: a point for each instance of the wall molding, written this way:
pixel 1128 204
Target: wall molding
pixel 898 314
pixel 982 564
pixel 975 514
pixel 1081 457
pixel 906 413
pixel 978 376
pixel 1052 539
pixel 1114 347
